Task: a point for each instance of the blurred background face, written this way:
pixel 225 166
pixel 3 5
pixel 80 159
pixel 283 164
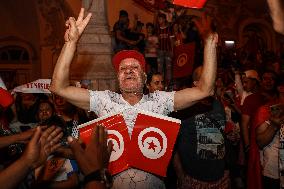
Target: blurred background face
pixel 150 30
pixel 157 83
pixel 45 111
pixel 249 84
pixel 176 27
pixel 161 20
pixel 59 103
pixel 268 81
pixel 123 19
pixel 280 88
pixel 27 99
pixel 219 82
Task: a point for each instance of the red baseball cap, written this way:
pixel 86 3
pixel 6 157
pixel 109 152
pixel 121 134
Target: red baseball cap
pixel 6 99
pixel 121 55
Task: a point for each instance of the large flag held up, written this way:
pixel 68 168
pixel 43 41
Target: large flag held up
pixel 183 60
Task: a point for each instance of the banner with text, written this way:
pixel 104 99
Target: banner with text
pixel 38 86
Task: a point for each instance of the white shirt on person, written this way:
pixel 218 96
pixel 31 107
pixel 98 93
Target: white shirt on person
pixel 269 157
pixel 106 102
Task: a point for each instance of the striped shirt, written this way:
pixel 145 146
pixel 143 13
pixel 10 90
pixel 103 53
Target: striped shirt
pixel 164 38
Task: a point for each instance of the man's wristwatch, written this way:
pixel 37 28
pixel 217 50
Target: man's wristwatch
pixel 101 175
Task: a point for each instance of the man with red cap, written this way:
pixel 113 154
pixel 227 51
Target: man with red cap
pixel 130 66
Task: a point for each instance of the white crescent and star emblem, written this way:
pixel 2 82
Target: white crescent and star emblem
pixel 117 144
pixel 182 59
pixel 152 142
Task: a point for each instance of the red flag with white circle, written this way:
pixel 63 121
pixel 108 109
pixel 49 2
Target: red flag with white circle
pixel 117 133
pixel 152 142
pixel 183 60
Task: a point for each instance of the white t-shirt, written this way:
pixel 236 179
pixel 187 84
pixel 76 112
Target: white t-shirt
pixel 107 102
pixel 152 44
pixel 269 157
pixel 244 95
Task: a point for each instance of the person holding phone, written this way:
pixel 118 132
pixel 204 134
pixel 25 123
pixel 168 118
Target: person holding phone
pixel 267 135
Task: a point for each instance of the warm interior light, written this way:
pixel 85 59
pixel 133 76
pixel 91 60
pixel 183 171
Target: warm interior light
pixel 229 42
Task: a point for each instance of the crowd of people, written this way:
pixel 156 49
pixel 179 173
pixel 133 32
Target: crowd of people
pixel 232 118
pixel 158 43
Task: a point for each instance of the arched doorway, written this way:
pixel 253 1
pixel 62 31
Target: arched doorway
pixel 16 60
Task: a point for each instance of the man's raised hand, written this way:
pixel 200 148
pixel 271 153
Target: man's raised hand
pixel 76 27
pixel 204 26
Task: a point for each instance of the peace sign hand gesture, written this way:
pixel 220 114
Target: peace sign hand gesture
pixel 76 27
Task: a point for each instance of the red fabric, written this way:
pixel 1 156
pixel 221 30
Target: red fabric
pixel 121 55
pixel 159 4
pixel 152 143
pixel 252 103
pixel 6 99
pixel 183 60
pixel 229 127
pixel 117 133
pixel 254 166
pixel 151 6
pixel 190 4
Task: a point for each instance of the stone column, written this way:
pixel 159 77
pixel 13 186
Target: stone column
pixel 94 51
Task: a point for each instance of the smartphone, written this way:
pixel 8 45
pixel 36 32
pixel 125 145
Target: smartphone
pixel 276 109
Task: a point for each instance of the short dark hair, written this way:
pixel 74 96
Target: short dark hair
pixel 150 76
pixel 139 23
pixel 162 16
pixel 275 75
pixel 150 24
pixel 123 13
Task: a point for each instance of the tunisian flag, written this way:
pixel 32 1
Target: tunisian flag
pixel 183 60
pixel 152 142
pixel 117 133
pixel 190 3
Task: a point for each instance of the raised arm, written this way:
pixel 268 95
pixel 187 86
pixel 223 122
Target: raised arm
pixel 60 84
pixel 277 14
pixel 238 82
pixel 17 138
pixel 205 88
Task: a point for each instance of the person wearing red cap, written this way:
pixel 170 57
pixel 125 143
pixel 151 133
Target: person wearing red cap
pixel 130 66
